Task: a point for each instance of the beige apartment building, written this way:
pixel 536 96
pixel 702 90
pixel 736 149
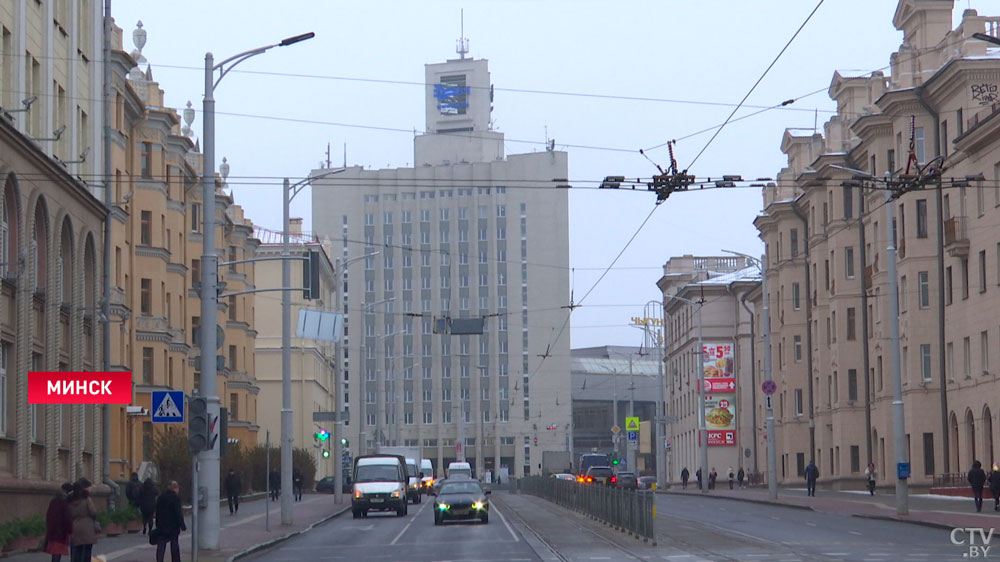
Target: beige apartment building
pixel 155 273
pixel 313 363
pixel 717 288
pixel 51 251
pixel 466 235
pixel 827 264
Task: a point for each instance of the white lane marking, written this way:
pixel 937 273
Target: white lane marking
pixel 776 518
pixel 810 524
pixel 407 526
pixel 493 507
pixel 854 533
pixel 834 554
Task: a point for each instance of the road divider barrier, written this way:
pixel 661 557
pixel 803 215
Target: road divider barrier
pixel 629 511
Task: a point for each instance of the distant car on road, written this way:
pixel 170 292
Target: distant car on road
pixel 326 486
pixel 461 499
pixel 564 476
pixel 646 482
pixel 625 480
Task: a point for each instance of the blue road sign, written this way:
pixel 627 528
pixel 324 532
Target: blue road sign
pixel 168 406
pixel 633 436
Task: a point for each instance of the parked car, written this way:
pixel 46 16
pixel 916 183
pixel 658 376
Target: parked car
pixel 326 485
pixel 626 480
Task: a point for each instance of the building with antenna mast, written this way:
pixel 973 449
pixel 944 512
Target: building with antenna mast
pixel 468 235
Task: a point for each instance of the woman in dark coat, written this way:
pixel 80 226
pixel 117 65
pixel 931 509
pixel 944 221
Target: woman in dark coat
pixel 147 504
pixel 84 514
pixel 994 480
pixel 169 522
pixel 58 524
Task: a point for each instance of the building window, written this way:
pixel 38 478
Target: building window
pixel 848 202
pixel 967 357
pixel 798 402
pixel 964 264
pixel 146 159
pixel 918 144
pixel 950 356
pixel 4 358
pixel 923 280
pixel 195 217
pixel 793 237
pixel 370 419
pixel 925 361
pixel 147 365
pixel 428 417
pixel 798 349
pixel 948 295
pixel 849 262
pixel 855 458
pixel 984 351
pixel 901 294
pixel 796 299
pixel 929 454
pixel 982 270
pixel 921 218
pixel 146 228
pixel 852 385
pixel 145 296
pixel 851 331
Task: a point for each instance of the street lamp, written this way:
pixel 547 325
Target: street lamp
pixel 654 310
pixel 289 191
pixel 700 365
pixel 772 462
pixel 208 526
pixel 338 441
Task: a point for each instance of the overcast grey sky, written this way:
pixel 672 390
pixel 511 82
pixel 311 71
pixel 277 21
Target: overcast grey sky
pixel 357 83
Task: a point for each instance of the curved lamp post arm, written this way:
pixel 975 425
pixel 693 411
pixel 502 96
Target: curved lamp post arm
pixel 238 58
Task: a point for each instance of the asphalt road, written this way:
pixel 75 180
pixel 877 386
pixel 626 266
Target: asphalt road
pixel 715 528
pixel 413 538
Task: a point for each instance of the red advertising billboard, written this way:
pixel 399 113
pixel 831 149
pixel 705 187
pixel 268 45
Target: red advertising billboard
pixel 720 393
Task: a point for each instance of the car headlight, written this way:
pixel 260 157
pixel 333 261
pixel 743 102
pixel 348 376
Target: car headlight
pixel 395 494
pixel 357 494
pixel 478 505
pixel 444 506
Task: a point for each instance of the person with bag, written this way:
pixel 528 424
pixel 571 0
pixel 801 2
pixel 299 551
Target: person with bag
pixel 132 490
pixel 84 522
pixel 870 475
pixel 58 524
pixel 147 504
pixel 169 523
pixel 994 480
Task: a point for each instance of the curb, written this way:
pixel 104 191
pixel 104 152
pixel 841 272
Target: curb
pixel 921 522
pixel 750 500
pixel 281 539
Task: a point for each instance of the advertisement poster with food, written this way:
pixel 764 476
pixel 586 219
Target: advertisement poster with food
pixel 720 393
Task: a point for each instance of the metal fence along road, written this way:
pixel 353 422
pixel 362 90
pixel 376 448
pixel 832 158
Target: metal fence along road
pixel 626 510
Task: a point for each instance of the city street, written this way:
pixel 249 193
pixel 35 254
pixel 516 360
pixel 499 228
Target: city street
pixel 689 528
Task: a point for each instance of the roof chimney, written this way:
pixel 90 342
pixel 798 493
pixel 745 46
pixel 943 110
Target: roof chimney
pixel 295 227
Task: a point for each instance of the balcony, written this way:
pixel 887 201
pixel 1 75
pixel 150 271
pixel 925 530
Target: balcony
pixel 956 237
pixel 152 328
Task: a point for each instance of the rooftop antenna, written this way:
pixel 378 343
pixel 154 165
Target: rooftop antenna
pixel 463 44
pixel 328 156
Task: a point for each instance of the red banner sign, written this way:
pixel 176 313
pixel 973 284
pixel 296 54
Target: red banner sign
pixel 720 385
pixel 721 437
pixel 79 387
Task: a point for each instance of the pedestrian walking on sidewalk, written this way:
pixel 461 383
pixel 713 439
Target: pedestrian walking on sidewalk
pixel 994 480
pixel 712 477
pixel 85 526
pixel 684 478
pixel 740 475
pixel 234 487
pixel 812 475
pixel 297 484
pixel 870 474
pixel 977 478
pixel 732 478
pixel 169 523
pixel 274 481
pixel 132 490
pixel 698 476
pixel 147 503
pixel 58 524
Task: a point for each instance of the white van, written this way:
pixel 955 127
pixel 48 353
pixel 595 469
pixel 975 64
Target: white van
pixel 459 470
pixel 380 484
pixel 413 491
pixel 427 480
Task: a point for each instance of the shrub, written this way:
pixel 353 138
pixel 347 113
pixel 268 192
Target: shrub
pixel 32 526
pixel 171 455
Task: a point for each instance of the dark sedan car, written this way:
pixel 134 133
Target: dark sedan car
pixel 647 482
pixel 461 499
pixel 326 486
pixel 625 480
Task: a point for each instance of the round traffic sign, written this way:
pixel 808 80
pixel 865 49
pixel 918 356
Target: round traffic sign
pixel 769 387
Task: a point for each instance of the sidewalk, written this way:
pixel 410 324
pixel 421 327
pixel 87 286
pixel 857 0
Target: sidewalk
pixel 924 509
pixel 239 536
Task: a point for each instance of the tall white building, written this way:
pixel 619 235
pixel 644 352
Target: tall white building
pixel 466 234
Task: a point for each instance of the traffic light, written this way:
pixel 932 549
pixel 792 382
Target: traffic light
pixel 198 427
pixel 344 442
pixel 551 428
pixel 614 461
pixel 326 453
pixel 323 435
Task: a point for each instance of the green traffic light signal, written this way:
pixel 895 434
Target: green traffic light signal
pixel 344 442
pixel 614 461
pixel 323 435
pixel 326 454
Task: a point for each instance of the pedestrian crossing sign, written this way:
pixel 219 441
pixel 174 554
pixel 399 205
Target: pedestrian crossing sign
pixel 632 423
pixel 168 406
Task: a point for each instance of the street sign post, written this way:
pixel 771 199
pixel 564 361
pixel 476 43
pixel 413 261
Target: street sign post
pixel 769 387
pixel 632 423
pixel 633 436
pixel 615 429
pixel 168 406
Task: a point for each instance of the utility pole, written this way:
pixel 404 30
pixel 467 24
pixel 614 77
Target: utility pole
pixel 702 428
pixel 654 333
pixel 898 437
pixel 632 445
